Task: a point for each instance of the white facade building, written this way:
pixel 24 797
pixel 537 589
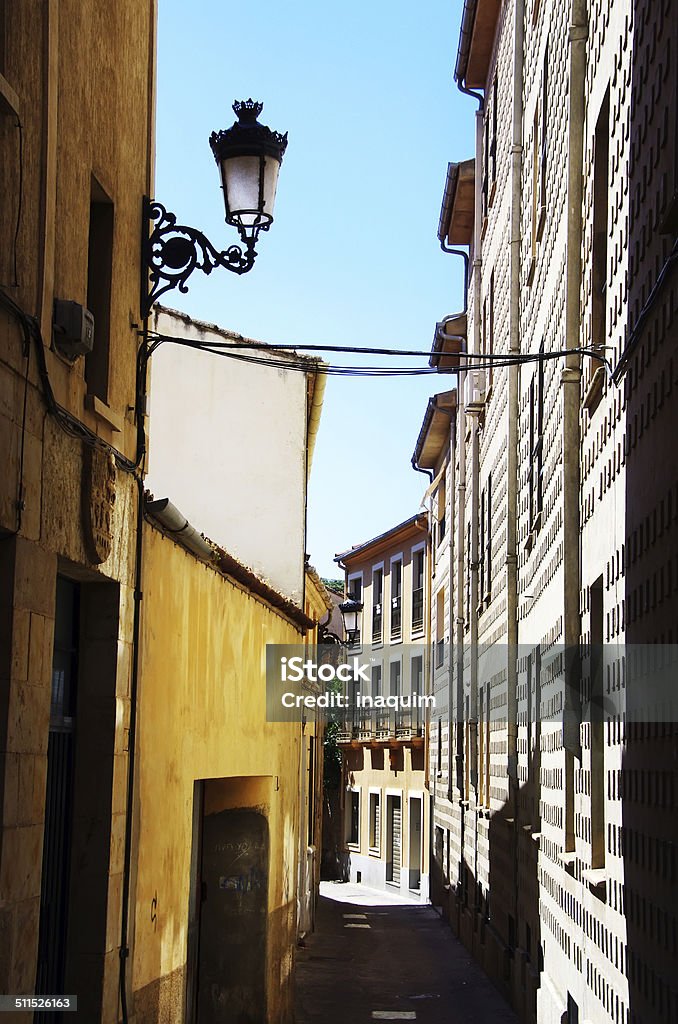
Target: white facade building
pixel 243 426
pixel 555 835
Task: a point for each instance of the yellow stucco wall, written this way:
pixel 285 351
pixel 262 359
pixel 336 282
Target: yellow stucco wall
pixel 202 716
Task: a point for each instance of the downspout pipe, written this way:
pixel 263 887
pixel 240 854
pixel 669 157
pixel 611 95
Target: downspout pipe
pixel 132 751
pixel 570 382
pixel 464 255
pixel 418 469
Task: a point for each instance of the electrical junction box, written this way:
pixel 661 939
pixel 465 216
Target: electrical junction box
pixel 73 329
pixel 474 389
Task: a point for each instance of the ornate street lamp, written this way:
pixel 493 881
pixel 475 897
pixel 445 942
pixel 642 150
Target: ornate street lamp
pixel 352 613
pixel 249 156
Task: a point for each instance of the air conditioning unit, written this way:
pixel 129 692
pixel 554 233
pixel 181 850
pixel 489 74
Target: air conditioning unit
pixel 474 389
pixel 73 329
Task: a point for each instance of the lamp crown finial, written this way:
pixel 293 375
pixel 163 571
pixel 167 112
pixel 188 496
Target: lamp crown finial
pixel 247 111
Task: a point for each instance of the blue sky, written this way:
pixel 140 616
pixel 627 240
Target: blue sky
pixel 367 95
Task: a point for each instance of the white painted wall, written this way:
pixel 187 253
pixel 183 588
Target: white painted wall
pixel 227 446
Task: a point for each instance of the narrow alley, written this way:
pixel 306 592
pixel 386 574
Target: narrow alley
pixel 377 957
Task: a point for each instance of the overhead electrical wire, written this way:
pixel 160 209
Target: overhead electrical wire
pixel 480 361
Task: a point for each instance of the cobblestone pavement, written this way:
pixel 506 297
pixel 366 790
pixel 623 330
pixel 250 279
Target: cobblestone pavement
pixel 377 957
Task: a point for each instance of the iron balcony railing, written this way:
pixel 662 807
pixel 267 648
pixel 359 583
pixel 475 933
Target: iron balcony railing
pixel 377 623
pixel 382 724
pixel 396 618
pixel 418 609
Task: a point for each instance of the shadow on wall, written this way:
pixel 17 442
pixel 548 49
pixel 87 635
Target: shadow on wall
pixel 499 926
pixel 648 837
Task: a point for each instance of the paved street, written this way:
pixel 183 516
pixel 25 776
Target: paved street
pixel 376 957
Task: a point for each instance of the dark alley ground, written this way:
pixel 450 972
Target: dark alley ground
pixel 375 958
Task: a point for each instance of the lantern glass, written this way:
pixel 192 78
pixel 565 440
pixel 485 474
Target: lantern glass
pixel 250 184
pixel 351 613
pixel 240 176
pixel 249 155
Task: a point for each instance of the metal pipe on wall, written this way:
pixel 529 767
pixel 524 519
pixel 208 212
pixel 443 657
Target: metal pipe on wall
pixel 513 412
pixel 570 384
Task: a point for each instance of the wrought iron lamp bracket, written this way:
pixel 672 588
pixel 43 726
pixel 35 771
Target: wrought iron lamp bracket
pixel 171 252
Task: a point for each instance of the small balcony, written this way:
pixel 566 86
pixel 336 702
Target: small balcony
pixel 396 618
pixel 418 610
pixel 377 624
pixel 382 725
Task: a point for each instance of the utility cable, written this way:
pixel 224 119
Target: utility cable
pixel 301 364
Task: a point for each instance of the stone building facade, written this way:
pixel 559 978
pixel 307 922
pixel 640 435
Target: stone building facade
pixel 70 229
pixel 554 834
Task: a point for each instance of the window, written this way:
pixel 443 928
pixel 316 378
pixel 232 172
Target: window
pixel 310 837
pixel 418 590
pixel 468 577
pixel 396 599
pixel 536 470
pixel 490 335
pixel 486 541
pixel 440 507
pixel 440 627
pixel 597 745
pixel 482 532
pixel 353 817
pixel 375 821
pixel 418 674
pixel 99 274
pixel 493 142
pixel 395 679
pixel 543 152
pixel 485 164
pixel 539 159
pixel 376 680
pixel 417 687
pixel 600 214
pixel 377 605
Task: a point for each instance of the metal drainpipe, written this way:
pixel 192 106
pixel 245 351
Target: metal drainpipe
pixel 451 557
pixel 570 384
pixel 464 255
pixel 477 263
pixel 513 441
pixel 475 492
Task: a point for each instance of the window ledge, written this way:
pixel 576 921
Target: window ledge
pixel 596 879
pixel 104 412
pixel 532 268
pixel 9 101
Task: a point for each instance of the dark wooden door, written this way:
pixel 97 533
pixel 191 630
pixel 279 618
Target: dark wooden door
pixel 231 983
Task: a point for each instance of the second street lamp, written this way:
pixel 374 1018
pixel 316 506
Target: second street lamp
pixel 249 156
pixel 352 613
